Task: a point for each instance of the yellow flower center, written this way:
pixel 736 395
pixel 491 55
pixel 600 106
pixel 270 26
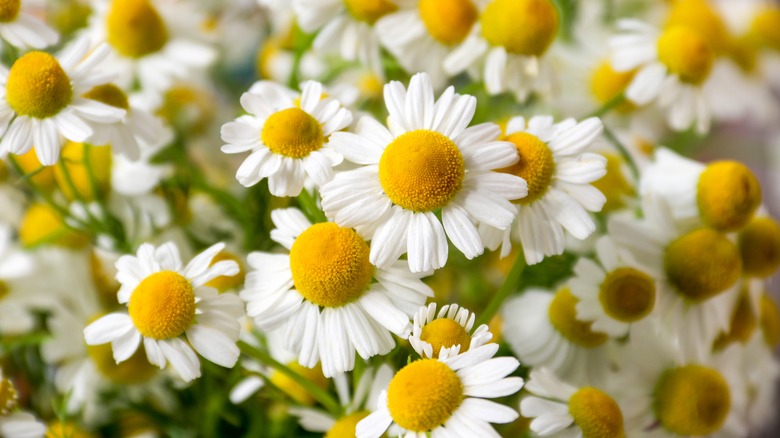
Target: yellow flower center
pixel 330 265
pixel 225 282
pixel 292 132
pixel 9 9
pixel 563 316
pixel 743 324
pixel 421 170
pixel 134 370
pixel 596 414
pixel 700 16
pixel 37 86
pixel 627 294
pixel 702 264
pixel 766 27
pixel 295 390
pixel 66 429
pixel 109 94
pixel 770 321
pixel 85 169
pixel 606 84
pixel 9 398
pixel 43 224
pixel 522 27
pixel 614 185
pixel 536 165
pixel 692 400
pixel 369 10
pixel 346 425
pixel 727 194
pixel 444 332
pixel 423 395
pixel 448 21
pixel 134 28
pixel 759 246
pixel 744 51
pixel 40 175
pixel 187 108
pixel 686 53
pixel 162 306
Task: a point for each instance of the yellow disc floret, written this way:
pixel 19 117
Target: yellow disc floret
pixel 109 94
pixel 536 165
pixel 162 306
pixel 9 10
pixel 702 264
pixel 700 16
pixel 134 370
pixel 330 265
pixel 448 21
pixel 627 294
pixel 770 321
pixel 445 333
pixel 292 132
pixel 743 323
pixel 522 27
pixel 692 400
pixel 346 425
pixel 84 171
pixel 421 170
pixel 759 245
pixel 563 316
pixel 766 27
pixel 728 195
pixel 596 414
pixel 134 28
pixel 43 224
pixel 226 282
pixel 606 84
pixel 423 395
pixel 686 54
pixel 614 184
pixel 37 86
pixel 9 398
pixel 369 10
pixel 293 388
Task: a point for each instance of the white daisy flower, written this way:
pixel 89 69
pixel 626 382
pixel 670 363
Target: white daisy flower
pixel 41 100
pixel 613 293
pixel 14 423
pixel 287 135
pixel 562 410
pixel 559 174
pixel 165 300
pixel 24 30
pixel 434 334
pixel 327 297
pixel 447 396
pixel 427 162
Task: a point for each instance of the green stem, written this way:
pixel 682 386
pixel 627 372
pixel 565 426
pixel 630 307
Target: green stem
pixel 319 394
pixel 621 148
pixel 309 206
pixel 510 284
pixel 609 105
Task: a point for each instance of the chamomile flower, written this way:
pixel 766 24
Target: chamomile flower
pixel 427 162
pixel 560 409
pixel 165 300
pixel 759 247
pixel 24 30
pixel 41 100
pixel 559 174
pixel 434 334
pixel 447 396
pixel 14 423
pixel 327 297
pixel 287 135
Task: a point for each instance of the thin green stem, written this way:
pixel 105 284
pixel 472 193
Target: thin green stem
pixel 609 105
pixel 623 150
pixel 309 206
pixel 511 282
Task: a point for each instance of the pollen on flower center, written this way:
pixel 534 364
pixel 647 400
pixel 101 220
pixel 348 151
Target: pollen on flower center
pixel 346 425
pixel 596 414
pixel 421 170
pixel 369 10
pixel 162 306
pixel 692 400
pixel 37 86
pixel 9 398
pixel 563 316
pixel 536 165
pixel 445 333
pixel 727 194
pixel 702 264
pixel 423 395
pixel 686 53
pixel 109 94
pixel 9 9
pixel 759 246
pixel 292 132
pixel 134 28
pixel 134 370
pixel 606 83
pixel 522 27
pixel 448 21
pixel 330 265
pixel 627 294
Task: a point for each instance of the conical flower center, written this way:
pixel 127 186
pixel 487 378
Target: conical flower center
pixel 614 185
pixel 702 264
pixel 330 265
pixel 766 27
pixel 727 194
pixel 686 53
pixel 109 94
pixel 9 398
pixel 536 165
pixel 448 21
pixel 37 86
pixel 421 170
pixel 596 414
pixel 226 282
pixel 292 132
pixel 759 246
pixel 346 425
pixel 423 395
pixel 770 321
pixel 627 294
pixel 743 323
pixel 162 306
pixel 369 10
pixel 293 388
pixel 701 17
pixel 134 370
pixel 692 400
pixel 9 9
pixel 134 28
pixel 606 84
pixel 563 316
pixel 445 333
pixel 522 27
